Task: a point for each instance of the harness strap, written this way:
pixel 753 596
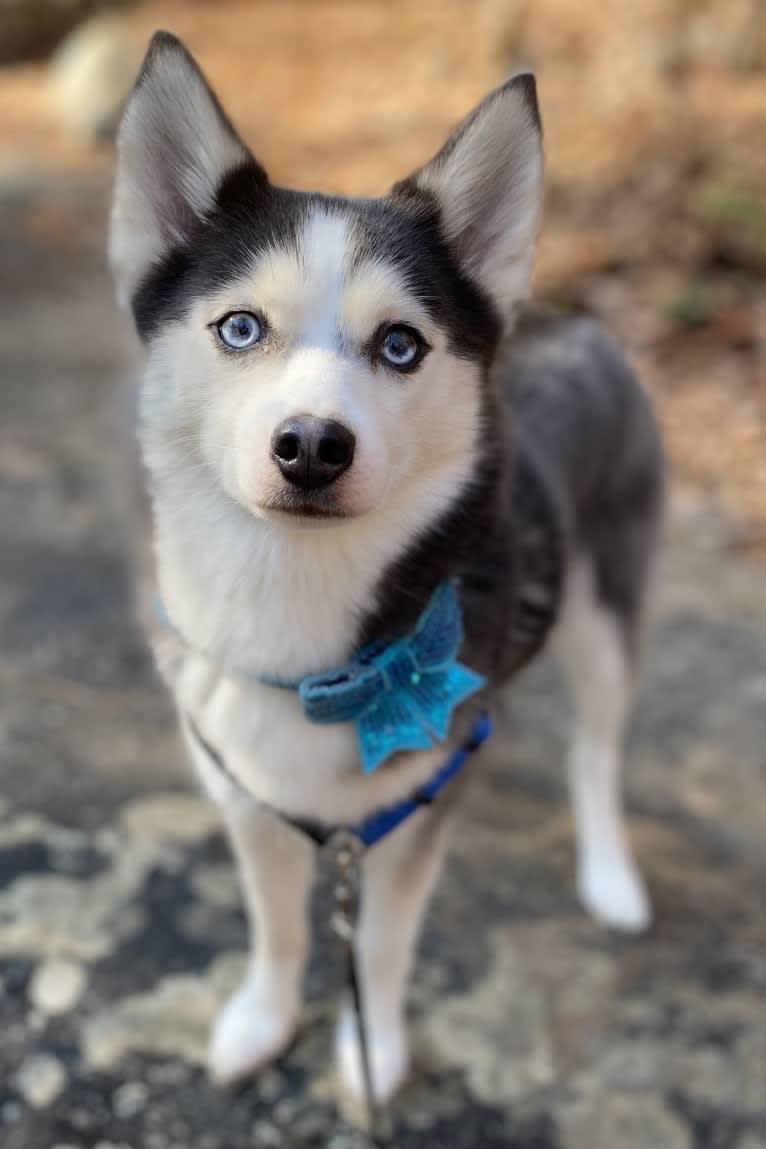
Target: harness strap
pixel 378 825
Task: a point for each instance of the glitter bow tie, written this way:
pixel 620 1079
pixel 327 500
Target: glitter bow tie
pixel 401 695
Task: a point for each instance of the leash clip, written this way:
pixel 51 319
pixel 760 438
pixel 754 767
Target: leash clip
pixel 347 850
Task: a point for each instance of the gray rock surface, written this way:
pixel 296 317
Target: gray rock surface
pixel 533 1026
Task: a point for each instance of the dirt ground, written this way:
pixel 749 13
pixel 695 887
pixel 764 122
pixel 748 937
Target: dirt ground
pixel 120 921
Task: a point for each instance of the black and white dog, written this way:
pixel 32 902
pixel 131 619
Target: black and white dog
pixel 344 409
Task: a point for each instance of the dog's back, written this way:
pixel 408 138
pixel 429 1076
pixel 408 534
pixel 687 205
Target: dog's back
pixel 579 410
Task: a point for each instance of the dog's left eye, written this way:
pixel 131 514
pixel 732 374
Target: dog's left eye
pixel 401 347
pixel 239 330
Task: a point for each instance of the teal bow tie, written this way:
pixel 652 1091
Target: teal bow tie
pixel 400 695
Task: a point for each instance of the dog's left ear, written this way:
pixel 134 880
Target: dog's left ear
pixel 487 181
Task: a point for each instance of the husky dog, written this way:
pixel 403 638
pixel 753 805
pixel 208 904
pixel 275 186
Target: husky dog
pixel 344 406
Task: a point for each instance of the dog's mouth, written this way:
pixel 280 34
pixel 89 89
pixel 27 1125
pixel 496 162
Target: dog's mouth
pixel 316 506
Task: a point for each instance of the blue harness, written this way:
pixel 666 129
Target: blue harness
pixel 378 825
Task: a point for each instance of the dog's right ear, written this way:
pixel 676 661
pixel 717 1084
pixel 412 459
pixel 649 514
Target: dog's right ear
pixel 174 147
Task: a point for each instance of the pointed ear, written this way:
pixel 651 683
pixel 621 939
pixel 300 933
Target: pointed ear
pixel 487 182
pixel 174 147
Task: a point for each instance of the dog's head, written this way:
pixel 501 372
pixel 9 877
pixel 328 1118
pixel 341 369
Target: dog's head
pixel 317 356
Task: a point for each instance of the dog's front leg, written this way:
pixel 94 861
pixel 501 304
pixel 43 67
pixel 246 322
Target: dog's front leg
pixel 260 1018
pixel 399 875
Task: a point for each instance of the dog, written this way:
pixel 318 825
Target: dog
pixel 348 413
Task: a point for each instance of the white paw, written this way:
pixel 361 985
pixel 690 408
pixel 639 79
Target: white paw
pixel 248 1033
pixel 389 1058
pixel 613 891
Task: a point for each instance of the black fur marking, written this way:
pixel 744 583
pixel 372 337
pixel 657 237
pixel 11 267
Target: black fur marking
pixel 579 404
pixel 570 462
pixel 503 538
pixel 404 231
pixel 469 541
pixel 251 215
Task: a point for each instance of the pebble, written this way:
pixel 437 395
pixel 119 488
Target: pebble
pixel 285 1110
pixel 270 1085
pixel 422 1119
pixel 167 1073
pixel 310 1127
pixel 10 1112
pixel 265 1134
pixel 57 986
pixel 171 817
pixel 129 1099
pixel 217 885
pixel 210 1141
pixel 347 1139
pixel 633 1120
pixel 80 1118
pixel 40 1080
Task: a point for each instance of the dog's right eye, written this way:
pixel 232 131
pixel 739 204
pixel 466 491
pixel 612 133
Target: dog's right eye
pixel 239 330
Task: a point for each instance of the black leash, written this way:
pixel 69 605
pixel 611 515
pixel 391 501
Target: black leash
pixel 348 851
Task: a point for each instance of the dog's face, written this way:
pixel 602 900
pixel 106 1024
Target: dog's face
pixel 318 357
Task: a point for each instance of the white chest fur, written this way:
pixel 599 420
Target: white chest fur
pixel 279 757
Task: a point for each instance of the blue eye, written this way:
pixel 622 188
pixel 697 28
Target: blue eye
pixel 239 330
pixel 401 347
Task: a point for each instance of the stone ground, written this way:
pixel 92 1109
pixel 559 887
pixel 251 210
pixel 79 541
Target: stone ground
pixel 120 924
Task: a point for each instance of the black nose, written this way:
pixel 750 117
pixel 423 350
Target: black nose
pixel 311 452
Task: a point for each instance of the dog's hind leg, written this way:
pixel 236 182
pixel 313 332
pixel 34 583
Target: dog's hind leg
pixel 595 644
pixel 276 867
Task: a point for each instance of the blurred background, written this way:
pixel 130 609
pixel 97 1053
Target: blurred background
pixel 120 926
pixel 655 120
